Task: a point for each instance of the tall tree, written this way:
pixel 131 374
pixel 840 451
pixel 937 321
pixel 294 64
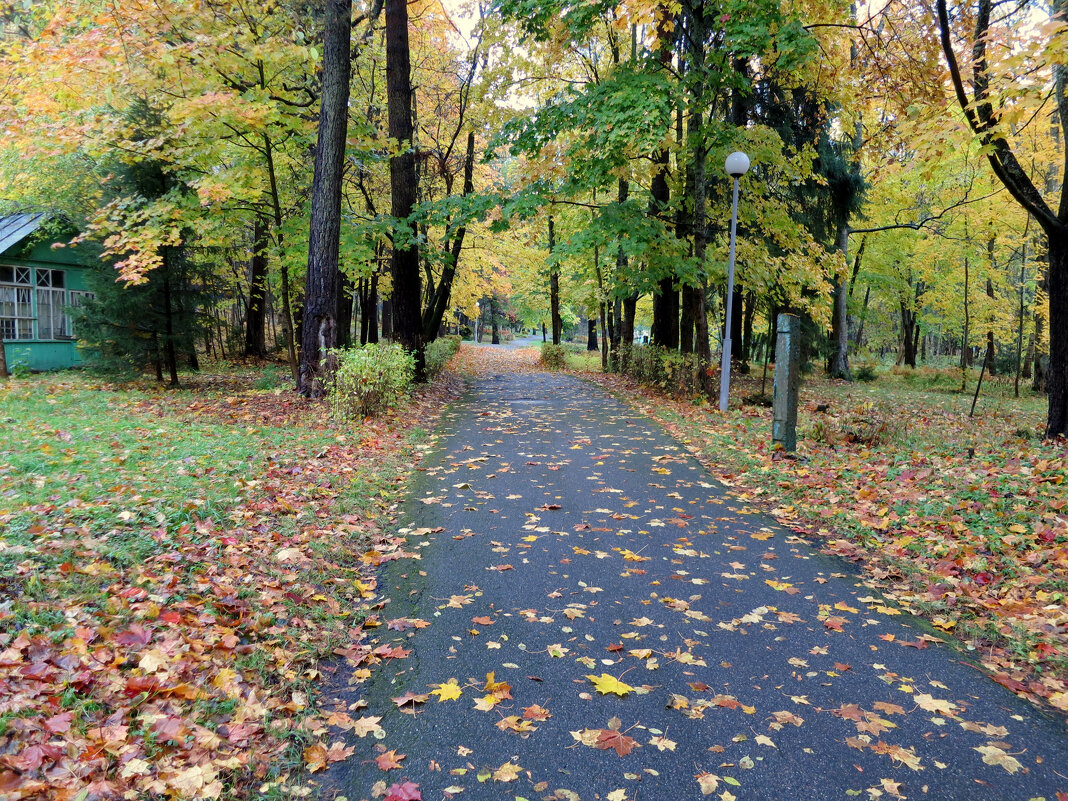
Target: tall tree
pixel 984 115
pixel 319 322
pixel 407 281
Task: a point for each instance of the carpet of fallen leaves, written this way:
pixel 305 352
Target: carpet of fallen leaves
pixel 963 520
pixel 478 360
pixel 162 608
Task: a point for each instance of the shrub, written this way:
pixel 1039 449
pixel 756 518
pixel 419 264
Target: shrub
pixel 553 356
pixel 865 372
pixel 439 352
pixel 678 374
pixel 370 379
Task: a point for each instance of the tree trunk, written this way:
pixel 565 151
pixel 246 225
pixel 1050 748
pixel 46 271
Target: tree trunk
pixel 630 311
pixel 665 328
pixel 168 320
pixel 345 304
pixel 839 367
pixel 319 322
pixel 495 332
pixel 554 287
pixel 255 328
pixel 407 292
pixel 3 362
pixel 591 334
pixel 687 319
pixel 1057 375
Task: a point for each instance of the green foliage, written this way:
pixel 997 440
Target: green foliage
pixel 370 379
pixel 439 352
pixel 125 328
pixel 680 374
pixel 865 372
pixel 553 356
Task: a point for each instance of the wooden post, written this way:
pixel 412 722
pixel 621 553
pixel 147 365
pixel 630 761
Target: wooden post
pixel 787 381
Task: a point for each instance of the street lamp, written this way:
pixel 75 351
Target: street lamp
pixel 737 165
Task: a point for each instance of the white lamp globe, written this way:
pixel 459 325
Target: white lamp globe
pixel 737 164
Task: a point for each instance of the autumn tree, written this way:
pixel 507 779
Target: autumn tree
pixel 992 110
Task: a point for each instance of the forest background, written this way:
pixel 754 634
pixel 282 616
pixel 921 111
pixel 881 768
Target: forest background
pixel 565 166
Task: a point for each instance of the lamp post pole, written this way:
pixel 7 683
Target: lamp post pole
pixel 737 165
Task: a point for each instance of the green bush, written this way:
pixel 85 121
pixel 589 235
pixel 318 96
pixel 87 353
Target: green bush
pixel 439 352
pixel 865 372
pixel 370 379
pixel 553 356
pixel 678 374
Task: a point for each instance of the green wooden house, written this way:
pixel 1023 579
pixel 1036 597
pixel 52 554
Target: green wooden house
pixel 39 285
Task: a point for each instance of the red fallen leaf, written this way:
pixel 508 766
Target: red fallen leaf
pixel 137 636
pixel 919 645
pixel 549 507
pixel 408 791
pixel 536 712
pixel 389 760
pixel 484 620
pixel 400 624
pixel 698 686
pixel 841 667
pixel 391 652
pixel 60 723
pixel 615 647
pixel 849 712
pixel 142 684
pixel 609 739
pixel 835 622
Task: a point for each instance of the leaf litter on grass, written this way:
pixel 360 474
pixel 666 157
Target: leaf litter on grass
pixel 173 565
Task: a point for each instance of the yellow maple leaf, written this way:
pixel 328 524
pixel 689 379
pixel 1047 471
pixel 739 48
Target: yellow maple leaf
pixel 508 772
pixel 606 684
pixel 992 755
pixel 449 691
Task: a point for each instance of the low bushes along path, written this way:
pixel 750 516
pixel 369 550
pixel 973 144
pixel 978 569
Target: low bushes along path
pixel 594 617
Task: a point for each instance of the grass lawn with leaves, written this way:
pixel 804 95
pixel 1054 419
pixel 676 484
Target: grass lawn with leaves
pixel 172 566
pixel 963 520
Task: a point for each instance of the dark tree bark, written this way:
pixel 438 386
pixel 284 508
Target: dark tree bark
pixel 839 366
pixel 630 311
pixel 982 116
pixel 169 352
pixel 255 329
pixel 665 327
pixel 319 321
pixel 554 287
pixel 387 320
pixel 345 304
pixel 407 281
pixel 591 334
pixel 3 361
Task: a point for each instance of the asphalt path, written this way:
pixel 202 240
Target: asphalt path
pixel 563 536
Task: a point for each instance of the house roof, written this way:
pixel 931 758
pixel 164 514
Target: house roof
pixel 16 227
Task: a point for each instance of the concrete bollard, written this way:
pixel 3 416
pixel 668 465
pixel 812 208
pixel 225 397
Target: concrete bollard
pixel 787 381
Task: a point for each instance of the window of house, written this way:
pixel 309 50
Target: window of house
pixel 52 319
pixel 16 303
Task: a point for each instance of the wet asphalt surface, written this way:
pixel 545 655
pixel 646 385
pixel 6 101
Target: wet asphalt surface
pixel 577 539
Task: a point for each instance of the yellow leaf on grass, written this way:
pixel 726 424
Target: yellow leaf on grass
pixel 449 691
pixel 606 684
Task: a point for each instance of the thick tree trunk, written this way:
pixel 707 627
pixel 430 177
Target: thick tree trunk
pixel 630 311
pixel 665 327
pixel 591 334
pixel 407 291
pixel 319 322
pixel 255 329
pixel 495 331
pixel 1057 374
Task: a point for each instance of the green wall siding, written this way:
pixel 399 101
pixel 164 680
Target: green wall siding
pixel 48 354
